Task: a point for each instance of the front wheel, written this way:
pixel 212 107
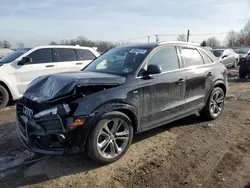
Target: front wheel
pixel 110 138
pixel 214 105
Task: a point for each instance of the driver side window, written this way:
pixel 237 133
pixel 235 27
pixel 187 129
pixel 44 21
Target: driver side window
pixel 166 58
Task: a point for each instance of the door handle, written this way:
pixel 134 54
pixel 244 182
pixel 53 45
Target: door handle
pixel 50 66
pixel 78 63
pixel 209 74
pixel 181 81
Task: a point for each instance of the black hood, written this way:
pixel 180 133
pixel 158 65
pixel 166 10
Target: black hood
pixel 50 87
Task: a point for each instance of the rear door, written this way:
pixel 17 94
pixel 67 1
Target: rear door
pixel 66 60
pixel 84 56
pixel 162 95
pixel 197 73
pixel 42 64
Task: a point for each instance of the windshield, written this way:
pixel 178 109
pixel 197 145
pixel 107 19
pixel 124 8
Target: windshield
pixel 120 61
pixel 217 53
pixel 242 50
pixel 13 56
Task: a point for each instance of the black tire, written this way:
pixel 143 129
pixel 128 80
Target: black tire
pixel 92 149
pixel 4 97
pixel 206 111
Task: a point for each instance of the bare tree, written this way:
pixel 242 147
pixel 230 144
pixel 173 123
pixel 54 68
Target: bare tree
pixel 213 42
pixel 52 43
pixel 182 37
pixel 244 36
pixel 231 38
pixel 204 43
pixel 5 44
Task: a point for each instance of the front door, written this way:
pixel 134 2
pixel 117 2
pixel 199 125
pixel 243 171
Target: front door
pixel 162 95
pixel 41 65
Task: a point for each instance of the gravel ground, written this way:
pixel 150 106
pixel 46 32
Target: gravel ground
pixel 186 153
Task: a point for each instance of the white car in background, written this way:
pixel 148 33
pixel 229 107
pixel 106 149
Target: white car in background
pixel 21 67
pixel 227 56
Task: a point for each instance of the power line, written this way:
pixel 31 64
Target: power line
pixel 210 33
pixel 172 35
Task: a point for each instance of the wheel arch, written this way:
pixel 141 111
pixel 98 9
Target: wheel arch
pixel 221 85
pixel 123 107
pixel 7 88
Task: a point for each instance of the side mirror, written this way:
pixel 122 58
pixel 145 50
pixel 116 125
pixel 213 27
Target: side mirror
pixel 154 69
pixel 25 60
pixel 224 56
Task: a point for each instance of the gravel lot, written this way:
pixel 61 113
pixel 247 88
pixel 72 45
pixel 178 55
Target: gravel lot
pixel 186 153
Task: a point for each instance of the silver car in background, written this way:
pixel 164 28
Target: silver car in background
pixel 227 56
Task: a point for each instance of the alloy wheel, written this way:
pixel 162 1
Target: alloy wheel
pixel 216 103
pixel 113 138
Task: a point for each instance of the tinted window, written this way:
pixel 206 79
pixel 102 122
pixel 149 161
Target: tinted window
pixel 165 57
pixel 206 57
pixel 41 56
pixel 64 54
pixel 191 57
pixel 85 54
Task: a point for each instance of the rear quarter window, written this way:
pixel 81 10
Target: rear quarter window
pixel 191 57
pixel 206 57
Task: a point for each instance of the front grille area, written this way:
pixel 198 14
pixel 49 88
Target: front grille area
pixel 51 124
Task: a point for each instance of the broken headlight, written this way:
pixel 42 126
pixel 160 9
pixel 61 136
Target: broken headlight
pixel 61 110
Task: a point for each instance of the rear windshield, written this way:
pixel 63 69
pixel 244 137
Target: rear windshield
pixel 13 56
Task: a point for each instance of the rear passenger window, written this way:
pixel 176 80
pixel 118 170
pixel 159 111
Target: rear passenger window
pixel 41 56
pixel 206 57
pixel 85 54
pixel 64 54
pixel 166 58
pixel 191 57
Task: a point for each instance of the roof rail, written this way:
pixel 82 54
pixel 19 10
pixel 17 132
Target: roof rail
pixel 179 42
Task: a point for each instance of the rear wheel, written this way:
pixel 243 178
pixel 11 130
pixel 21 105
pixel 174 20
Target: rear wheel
pixel 215 104
pixel 111 137
pixel 4 97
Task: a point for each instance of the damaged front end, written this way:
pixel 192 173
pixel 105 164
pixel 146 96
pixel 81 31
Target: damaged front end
pixel 46 118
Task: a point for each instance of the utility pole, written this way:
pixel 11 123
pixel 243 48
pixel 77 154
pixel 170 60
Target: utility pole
pixel 157 38
pixel 188 34
pixel 148 38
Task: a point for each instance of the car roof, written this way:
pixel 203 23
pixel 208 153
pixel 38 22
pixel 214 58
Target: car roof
pixel 64 46
pixel 155 44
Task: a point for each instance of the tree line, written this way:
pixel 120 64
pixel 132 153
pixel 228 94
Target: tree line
pixel 232 39
pixel 101 46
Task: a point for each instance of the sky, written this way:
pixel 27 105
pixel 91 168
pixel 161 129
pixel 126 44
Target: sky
pixel 37 22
